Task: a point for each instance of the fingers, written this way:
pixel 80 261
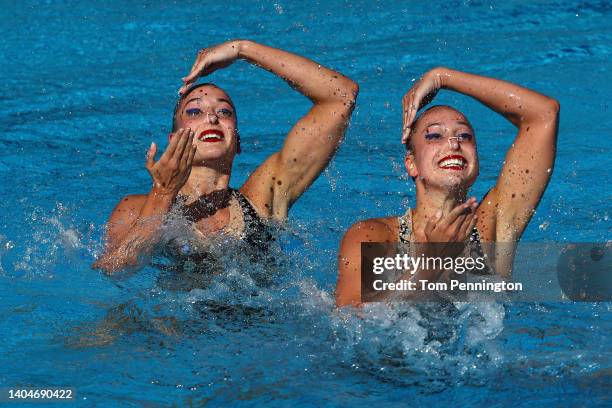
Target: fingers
pixel 462 224
pixel 196 67
pixel 467 226
pixel 461 209
pixel 191 155
pixel 465 210
pixel 411 111
pixel 190 79
pixel 188 152
pixel 419 95
pixel 406 107
pixel 431 224
pixel 151 156
pixel 415 104
pixel 185 140
pixel 455 227
pixel 194 72
pixel 188 163
pixel 196 62
pixel 176 138
pixel 183 89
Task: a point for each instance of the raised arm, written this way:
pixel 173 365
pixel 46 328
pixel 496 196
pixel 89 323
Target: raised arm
pixel 313 140
pixel 134 225
pixel 530 159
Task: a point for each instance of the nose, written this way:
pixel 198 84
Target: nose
pixel 454 143
pixel 212 118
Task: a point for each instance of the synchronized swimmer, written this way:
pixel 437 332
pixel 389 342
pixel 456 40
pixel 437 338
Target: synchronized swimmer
pixel 194 172
pixel 442 160
pixel 192 176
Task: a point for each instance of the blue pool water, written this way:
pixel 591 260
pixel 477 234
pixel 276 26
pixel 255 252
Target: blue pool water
pixel 84 91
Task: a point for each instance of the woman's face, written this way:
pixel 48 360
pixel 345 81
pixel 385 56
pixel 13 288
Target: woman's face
pixel 444 150
pixel 209 112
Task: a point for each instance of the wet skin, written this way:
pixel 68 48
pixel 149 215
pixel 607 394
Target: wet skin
pixel 443 162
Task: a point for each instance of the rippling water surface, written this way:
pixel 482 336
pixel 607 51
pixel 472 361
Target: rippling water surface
pixel 86 89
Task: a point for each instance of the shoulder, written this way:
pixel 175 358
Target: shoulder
pixel 372 230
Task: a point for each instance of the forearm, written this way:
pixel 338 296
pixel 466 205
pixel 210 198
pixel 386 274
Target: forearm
pixel 140 236
pixel 519 105
pixel 315 81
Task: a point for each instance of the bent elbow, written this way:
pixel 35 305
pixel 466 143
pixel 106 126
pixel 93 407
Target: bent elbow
pixel 354 88
pixel 353 91
pixel 554 107
pixel 348 91
pixel 552 113
pixel 547 113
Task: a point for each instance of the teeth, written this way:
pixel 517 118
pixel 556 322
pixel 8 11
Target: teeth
pixel 210 136
pixel 452 162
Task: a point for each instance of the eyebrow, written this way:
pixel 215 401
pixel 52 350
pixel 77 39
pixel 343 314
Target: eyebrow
pixel 431 124
pixel 218 100
pixel 439 124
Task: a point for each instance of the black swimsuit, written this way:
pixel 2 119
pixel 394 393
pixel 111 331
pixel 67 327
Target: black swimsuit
pixel 476 251
pixel 189 261
pixel 256 233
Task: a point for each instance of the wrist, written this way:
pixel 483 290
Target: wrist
pixel 443 75
pixel 242 47
pixel 161 194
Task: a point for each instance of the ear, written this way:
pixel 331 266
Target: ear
pixel 411 165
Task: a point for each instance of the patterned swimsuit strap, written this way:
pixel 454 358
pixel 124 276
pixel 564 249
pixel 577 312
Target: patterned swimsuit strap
pixel 205 206
pixel 405 229
pixel 405 226
pixel 245 205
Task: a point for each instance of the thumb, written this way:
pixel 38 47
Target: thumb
pixel 405 135
pixel 431 223
pixel 151 155
pixel 438 216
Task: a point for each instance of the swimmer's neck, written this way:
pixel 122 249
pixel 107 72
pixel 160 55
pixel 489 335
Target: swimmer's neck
pixel 429 200
pixel 204 180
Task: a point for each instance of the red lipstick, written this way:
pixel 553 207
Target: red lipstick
pixel 453 162
pixel 211 136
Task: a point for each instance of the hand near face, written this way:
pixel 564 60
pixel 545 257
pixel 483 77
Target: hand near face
pixel 421 93
pixel 209 60
pixel 171 171
pixel 451 227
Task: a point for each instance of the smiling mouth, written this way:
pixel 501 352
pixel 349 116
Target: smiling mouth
pixel 211 136
pixel 453 162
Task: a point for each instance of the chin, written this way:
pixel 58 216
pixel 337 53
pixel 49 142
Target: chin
pixel 209 153
pixel 452 181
